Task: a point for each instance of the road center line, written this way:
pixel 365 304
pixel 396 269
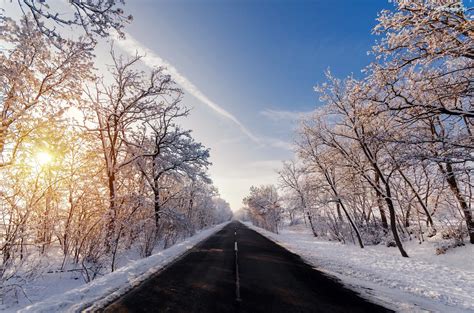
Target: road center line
pixel 237 278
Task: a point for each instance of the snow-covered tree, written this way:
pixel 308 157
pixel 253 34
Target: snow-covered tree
pixel 263 207
pixel 34 78
pixel 292 178
pixel 90 18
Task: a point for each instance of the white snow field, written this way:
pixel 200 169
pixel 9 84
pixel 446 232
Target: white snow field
pixel 102 290
pixel 425 282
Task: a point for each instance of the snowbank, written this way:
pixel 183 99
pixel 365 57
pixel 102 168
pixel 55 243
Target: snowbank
pixel 107 288
pixel 423 282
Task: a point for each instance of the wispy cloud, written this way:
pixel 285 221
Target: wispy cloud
pixel 277 115
pixel 131 46
pixel 279 143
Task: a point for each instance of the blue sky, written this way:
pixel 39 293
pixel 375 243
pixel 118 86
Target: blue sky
pixel 250 54
pixel 248 69
pixel 259 61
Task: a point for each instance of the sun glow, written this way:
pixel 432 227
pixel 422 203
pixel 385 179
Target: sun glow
pixel 43 158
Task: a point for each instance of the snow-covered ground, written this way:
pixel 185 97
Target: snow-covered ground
pixel 67 294
pixel 423 282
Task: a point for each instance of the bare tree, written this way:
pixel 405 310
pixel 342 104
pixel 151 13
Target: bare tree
pixel 118 109
pixel 34 78
pixel 94 18
pixel 167 150
pixel 324 162
pixel 263 207
pixel 292 177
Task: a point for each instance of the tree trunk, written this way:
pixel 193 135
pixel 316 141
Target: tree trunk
pixel 418 197
pixel 156 204
pixel 407 216
pixel 388 193
pixel 111 214
pixel 339 202
pixel 2 138
pixel 359 239
pixel 310 220
pixel 338 210
pixel 393 221
pixel 383 216
pixel 308 215
pixel 453 185
pixel 156 194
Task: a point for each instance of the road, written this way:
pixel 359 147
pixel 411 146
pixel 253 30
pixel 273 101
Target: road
pixel 271 279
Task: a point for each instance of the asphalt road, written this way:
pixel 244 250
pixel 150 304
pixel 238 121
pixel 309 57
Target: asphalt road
pixel 271 279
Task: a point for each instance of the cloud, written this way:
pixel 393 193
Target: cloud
pixel 276 115
pixel 279 143
pixel 271 165
pixel 131 46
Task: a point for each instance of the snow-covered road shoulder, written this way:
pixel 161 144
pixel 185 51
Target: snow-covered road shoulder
pixel 422 283
pixel 93 296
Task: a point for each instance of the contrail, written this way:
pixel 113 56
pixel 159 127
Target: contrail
pixel 131 46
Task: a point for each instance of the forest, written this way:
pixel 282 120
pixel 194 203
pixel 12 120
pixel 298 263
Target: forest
pixel 93 165
pixel 387 157
pixel 104 183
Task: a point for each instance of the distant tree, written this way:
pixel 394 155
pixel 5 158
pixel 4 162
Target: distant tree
pixel 263 207
pixel 222 210
pixel 292 177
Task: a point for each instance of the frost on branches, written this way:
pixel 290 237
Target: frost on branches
pixel 94 173
pixel 388 158
pixel 91 19
pixel 263 208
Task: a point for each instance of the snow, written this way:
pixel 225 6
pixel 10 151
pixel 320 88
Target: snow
pixel 98 293
pixel 423 282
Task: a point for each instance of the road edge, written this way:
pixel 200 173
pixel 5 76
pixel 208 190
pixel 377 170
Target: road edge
pixel 98 306
pixel 360 290
pixel 97 302
pixel 370 291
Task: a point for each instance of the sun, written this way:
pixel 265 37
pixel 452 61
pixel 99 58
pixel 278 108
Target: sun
pixel 43 158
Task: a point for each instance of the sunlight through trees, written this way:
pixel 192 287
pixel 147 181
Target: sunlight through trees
pixel 118 176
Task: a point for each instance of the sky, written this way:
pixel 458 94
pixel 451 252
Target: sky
pixel 248 69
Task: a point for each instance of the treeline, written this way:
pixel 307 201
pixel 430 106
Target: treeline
pixel 389 157
pixel 92 165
